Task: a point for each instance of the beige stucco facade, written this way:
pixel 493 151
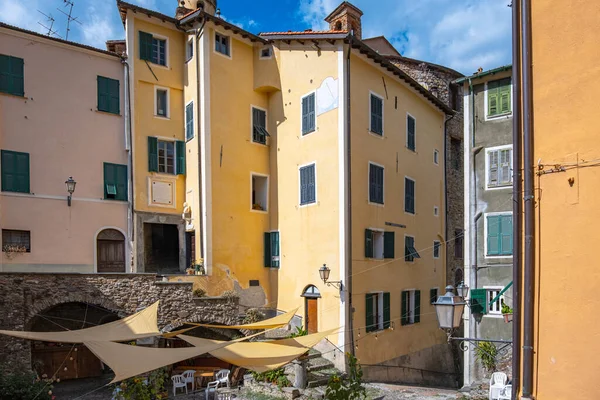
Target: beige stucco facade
pixel 58 124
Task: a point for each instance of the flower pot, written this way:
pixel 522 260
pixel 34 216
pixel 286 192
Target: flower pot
pixel 507 317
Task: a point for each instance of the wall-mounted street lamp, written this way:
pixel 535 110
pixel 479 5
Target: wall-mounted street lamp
pixel 70 183
pixel 462 290
pixel 324 274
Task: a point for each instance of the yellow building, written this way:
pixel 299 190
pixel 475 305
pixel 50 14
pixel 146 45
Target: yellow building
pixel 303 149
pixel 559 331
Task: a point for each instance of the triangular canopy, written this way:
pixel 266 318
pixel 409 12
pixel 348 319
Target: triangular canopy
pixel 275 322
pixel 262 356
pixel 140 325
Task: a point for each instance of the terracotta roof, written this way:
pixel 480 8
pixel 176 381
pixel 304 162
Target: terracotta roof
pixel 306 32
pixel 199 14
pixel 67 42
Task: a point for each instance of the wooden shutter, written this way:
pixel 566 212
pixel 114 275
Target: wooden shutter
pixel 493 168
pixel 409 195
pixel 417 306
pixel 11 75
pixel 308 114
pixel 433 294
pixel 311 189
pixel 505 167
pixel 5 75
pixel 121 182
pixel 152 154
pixel 189 121
pixel 478 303
pixel 506 233
pixel 376 115
pixel 493 235
pixel 15 171
pixel 386 310
pixel 275 249
pixel 180 157
pixel 369 316
pixel 410 140
pixel 404 307
pixel 504 96
pixel 303 186
pixel 267 249
pixel 145 46
pixel 368 243
pixel 492 95
pixel 389 244
pixel 113 96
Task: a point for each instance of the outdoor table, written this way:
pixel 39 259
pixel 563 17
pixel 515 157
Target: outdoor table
pixel 202 376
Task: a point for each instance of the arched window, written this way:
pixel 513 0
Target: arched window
pixel 338 26
pixel 311 291
pixel 458 277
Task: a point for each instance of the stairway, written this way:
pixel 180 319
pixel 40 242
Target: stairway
pixel 319 369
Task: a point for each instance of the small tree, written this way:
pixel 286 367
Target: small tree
pixel 23 385
pixel 350 388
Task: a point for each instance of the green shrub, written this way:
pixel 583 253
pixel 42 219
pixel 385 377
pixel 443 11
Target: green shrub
pixel 276 376
pixel 350 388
pixel 24 385
pixel 151 387
pixel 199 293
pixel 299 332
pixel 486 352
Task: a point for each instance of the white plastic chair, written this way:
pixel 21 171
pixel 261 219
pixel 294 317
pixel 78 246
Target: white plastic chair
pixel 212 386
pixel 178 382
pixel 188 376
pixel 506 393
pixel 221 379
pixel 497 383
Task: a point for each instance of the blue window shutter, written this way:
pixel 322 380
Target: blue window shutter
pixel 308 114
pixel 506 235
pixel 493 235
pixel 145 46
pixel 386 310
pixel 376 115
pixel 369 316
pixel 389 244
pixel 311 184
pixel 417 306
pixel 152 154
pixel 368 243
pixel 180 157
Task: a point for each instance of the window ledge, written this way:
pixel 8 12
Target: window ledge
pixel 108 113
pixel 161 117
pixel 507 186
pixel 413 150
pixel 14 95
pixel 379 135
pixel 259 211
pixel 371 203
pixel 498 116
pixel 307 204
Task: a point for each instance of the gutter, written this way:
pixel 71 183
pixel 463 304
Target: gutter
pixel 485 73
pixel 198 33
pixel 129 150
pixel 348 134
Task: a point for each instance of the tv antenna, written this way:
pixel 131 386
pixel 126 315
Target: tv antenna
pixel 70 18
pixel 50 20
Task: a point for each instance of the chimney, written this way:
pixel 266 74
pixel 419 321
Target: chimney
pixel 116 46
pixel 209 6
pixel 346 17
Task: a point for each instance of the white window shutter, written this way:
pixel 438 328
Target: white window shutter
pixel 505 158
pixel 493 168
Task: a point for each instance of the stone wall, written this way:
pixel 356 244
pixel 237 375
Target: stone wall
pixel 23 296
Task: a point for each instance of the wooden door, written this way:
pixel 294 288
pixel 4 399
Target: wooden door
pixel 312 322
pixel 111 256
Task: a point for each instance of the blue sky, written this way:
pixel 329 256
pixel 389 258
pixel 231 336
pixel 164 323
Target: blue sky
pixel 461 34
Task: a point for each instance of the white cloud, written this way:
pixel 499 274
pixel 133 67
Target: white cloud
pixel 19 14
pixel 314 11
pixel 98 27
pixel 244 23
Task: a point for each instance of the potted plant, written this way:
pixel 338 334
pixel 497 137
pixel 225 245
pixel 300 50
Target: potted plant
pixel 190 271
pixel 257 207
pixel 507 312
pixel 198 267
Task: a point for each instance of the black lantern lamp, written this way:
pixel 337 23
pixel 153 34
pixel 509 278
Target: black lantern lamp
pixel 324 272
pixel 70 183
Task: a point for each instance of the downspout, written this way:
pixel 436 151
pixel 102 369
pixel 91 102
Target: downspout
pixel 529 200
pixel 347 132
pixel 200 216
pixel 129 149
pixel 517 221
pixel 446 120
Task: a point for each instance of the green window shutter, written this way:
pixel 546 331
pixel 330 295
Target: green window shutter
pixel 15 171
pixel 409 196
pixel 368 243
pixel 115 181
pixel 370 317
pixel 386 310
pixel 506 233
pixel 410 128
pixel 493 235
pixel 376 115
pixel 389 244
pixel 5 75
pixel 493 98
pixel 103 100
pixel 417 306
pixel 121 179
pixel 180 155
pixel 189 121
pixel 114 96
pixel 478 301
pixel 267 250
pixel 404 308
pixel 433 294
pixel 11 75
pixel 145 46
pixel 504 96
pixel 275 249
pixel 152 154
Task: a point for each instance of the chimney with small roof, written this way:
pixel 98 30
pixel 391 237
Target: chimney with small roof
pixel 346 17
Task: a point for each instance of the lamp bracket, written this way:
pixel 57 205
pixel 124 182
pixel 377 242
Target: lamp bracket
pixel 337 284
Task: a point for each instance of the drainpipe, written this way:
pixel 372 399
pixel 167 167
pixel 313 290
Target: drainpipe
pixel 200 216
pixel 129 149
pixel 529 200
pixel 347 132
pixel 517 221
pixel 446 120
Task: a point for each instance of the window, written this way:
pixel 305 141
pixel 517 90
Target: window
pixel 115 182
pixel 161 97
pixel 379 244
pixel 456 153
pixel 260 192
pixel 410 253
pixel 16 241
pixel 189 120
pixel 189 50
pixel 377 311
pixel 222 44
pixel 411 127
pixel 15 171
pixel 376 124
pixel 375 184
pixel 436 211
pixel 436 248
pixel 308 186
pixel 272 249
pixel 153 49
pixel 436 157
pixel 499 235
pixel 458 243
pixel 265 52
pixel 496 306
pixel 433 295
pixel 411 307
pixel 498 97
pixel 409 195
pixel 259 126
pixel 498 166
pixel 108 95
pixel 166 156
pixel 309 117
pixel 12 75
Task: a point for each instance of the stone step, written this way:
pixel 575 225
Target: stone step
pixel 320 366
pixel 321 377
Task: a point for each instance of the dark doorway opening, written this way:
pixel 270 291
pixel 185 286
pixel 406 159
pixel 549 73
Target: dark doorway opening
pixel 161 248
pixel 190 248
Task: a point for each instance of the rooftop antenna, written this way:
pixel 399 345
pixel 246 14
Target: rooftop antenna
pixel 49 19
pixel 70 18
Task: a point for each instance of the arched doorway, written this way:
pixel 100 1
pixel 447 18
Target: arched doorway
pixel 110 247
pixel 311 310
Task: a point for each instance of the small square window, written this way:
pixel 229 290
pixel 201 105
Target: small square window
pixel 259 126
pixel 436 157
pixel 14 241
pixel 222 44
pixel 436 211
pixel 189 50
pixel 265 52
pixel 260 192
pixel 436 248
pixel 162 103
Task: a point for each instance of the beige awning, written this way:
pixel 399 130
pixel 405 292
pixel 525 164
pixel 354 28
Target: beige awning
pixel 140 325
pixel 276 322
pixel 127 361
pixel 262 356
